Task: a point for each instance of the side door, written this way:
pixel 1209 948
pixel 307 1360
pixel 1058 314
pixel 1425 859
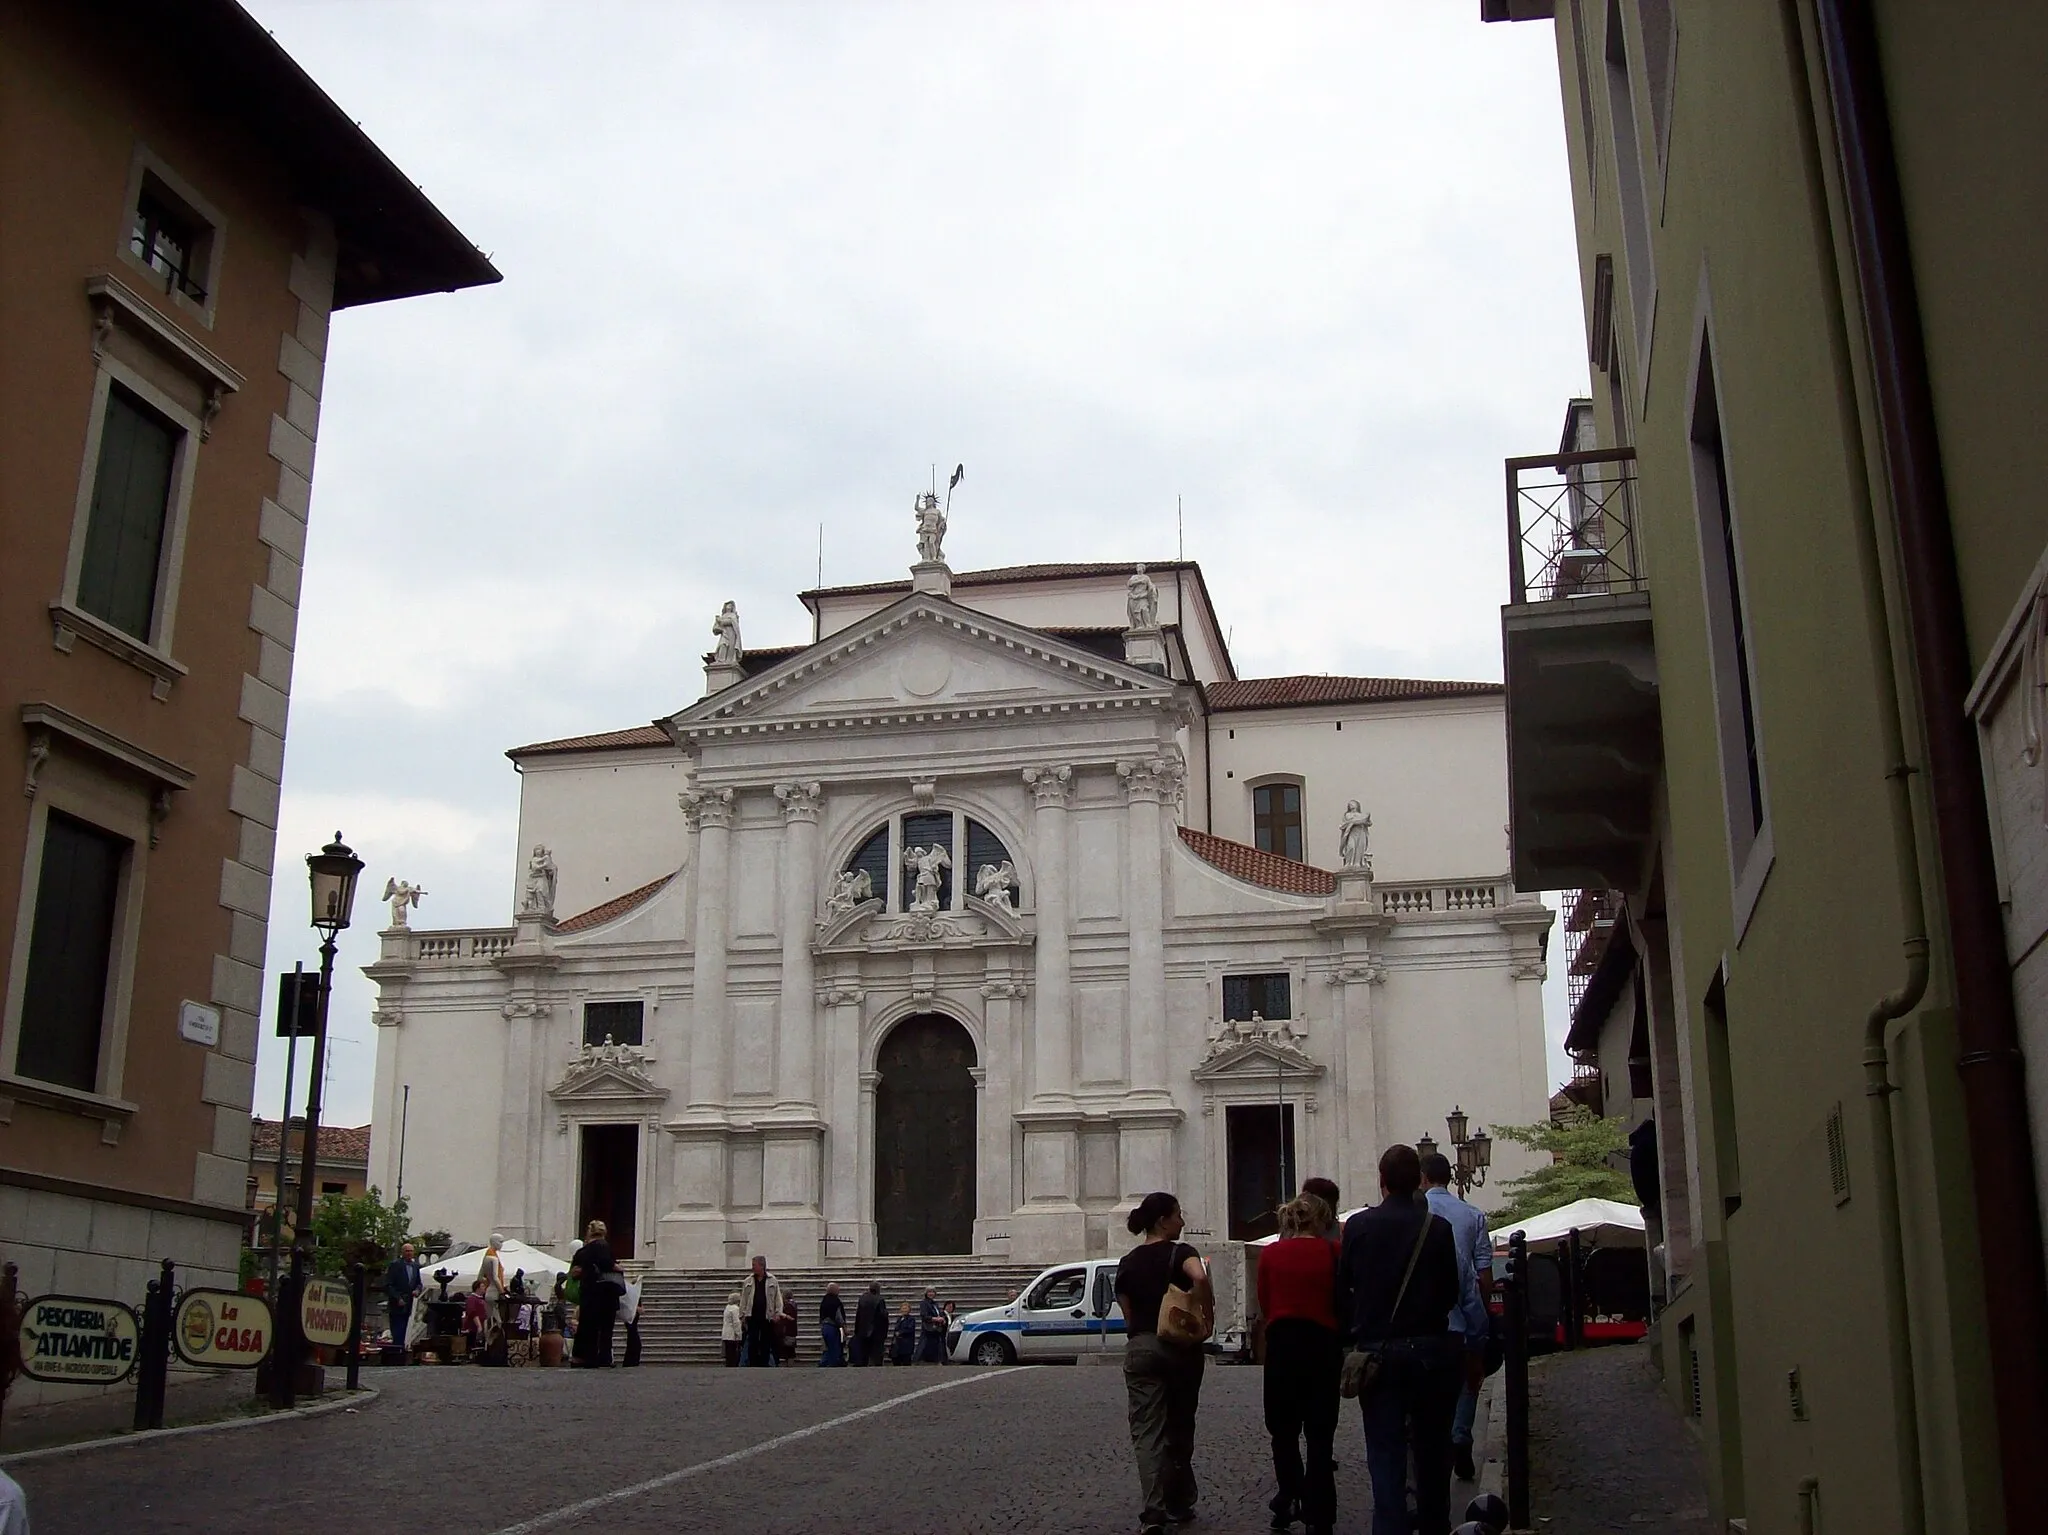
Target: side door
pixel 1054 1313
pixel 1108 1316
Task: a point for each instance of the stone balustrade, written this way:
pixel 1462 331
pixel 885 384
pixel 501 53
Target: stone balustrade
pixel 1411 900
pixel 460 945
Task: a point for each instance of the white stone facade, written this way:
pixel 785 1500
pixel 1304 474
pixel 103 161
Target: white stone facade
pixel 1090 984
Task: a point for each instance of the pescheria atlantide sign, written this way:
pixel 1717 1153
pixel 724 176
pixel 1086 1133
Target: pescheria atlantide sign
pixel 221 1329
pixel 75 1340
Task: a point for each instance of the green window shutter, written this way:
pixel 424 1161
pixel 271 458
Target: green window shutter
pixel 131 495
pixel 69 954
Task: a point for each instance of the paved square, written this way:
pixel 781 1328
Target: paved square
pixel 1018 1450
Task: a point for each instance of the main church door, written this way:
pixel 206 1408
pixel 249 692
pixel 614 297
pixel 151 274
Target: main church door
pixel 924 1138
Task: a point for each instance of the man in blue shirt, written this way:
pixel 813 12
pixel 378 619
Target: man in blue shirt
pixel 1470 1317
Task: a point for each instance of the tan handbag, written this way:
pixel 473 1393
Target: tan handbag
pixel 1181 1317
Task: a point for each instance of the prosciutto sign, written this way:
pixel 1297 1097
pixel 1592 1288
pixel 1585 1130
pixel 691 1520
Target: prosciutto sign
pixel 78 1342
pixel 221 1329
pixel 326 1314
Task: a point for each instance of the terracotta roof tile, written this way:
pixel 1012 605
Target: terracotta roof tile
pixel 617 906
pixel 609 740
pixel 1001 574
pixel 1268 870
pixel 1299 691
pixel 338 1143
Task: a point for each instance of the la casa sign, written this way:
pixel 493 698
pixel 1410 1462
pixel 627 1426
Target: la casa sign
pixel 222 1330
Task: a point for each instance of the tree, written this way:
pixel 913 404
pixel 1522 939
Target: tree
pixel 1579 1145
pixel 357 1229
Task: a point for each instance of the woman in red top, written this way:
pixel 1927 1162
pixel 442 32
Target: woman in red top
pixel 1298 1299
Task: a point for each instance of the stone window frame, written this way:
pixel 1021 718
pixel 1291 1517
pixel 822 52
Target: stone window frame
pixel 146 166
pixel 124 810
pixel 895 896
pixel 118 309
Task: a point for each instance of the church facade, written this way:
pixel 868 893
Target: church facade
pixel 958 930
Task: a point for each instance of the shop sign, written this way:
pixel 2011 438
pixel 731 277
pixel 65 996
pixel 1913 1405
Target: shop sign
pixel 222 1330
pixel 326 1313
pixel 78 1341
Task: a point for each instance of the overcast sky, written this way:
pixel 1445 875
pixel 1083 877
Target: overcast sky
pixel 1307 268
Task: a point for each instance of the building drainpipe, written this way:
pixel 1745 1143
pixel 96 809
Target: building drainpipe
pixel 1992 1069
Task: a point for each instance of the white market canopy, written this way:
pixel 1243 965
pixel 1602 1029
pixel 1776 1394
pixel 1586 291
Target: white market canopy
pixel 515 1255
pixel 1584 1215
pixel 1270 1240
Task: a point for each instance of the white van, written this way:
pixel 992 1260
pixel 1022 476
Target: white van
pixel 1066 1312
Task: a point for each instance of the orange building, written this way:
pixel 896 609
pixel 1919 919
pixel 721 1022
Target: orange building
pixel 182 211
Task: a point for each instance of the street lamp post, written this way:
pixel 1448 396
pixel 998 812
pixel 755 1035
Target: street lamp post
pixel 1471 1155
pixel 332 873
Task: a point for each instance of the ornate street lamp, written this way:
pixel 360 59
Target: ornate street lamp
pixel 1474 1152
pixel 332 873
pixel 1425 1145
pixel 1457 1122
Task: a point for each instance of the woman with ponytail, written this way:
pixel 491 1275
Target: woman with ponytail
pixel 1162 1377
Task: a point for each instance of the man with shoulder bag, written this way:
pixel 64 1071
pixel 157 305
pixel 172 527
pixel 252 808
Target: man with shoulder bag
pixel 1397 1281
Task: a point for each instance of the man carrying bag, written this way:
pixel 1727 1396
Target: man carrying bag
pixel 1397 1280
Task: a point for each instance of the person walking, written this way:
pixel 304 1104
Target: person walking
pixel 871 1327
pixel 932 1321
pixel 1162 1377
pixel 1397 1280
pixel 1471 1321
pixel 832 1327
pixel 1298 1299
pixel 732 1330
pixel 599 1287
pixel 903 1345
pixel 401 1287
pixel 760 1305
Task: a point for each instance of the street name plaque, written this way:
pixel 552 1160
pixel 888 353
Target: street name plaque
pixel 76 1340
pixel 326 1315
pixel 220 1329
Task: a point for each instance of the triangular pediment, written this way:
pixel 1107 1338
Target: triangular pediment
pixel 925 658
pixel 608 1073
pixel 1259 1059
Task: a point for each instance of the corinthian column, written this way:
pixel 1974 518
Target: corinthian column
pixel 795 1018
pixel 1050 1223
pixel 1147 785
pixel 711 811
pixel 1052 1055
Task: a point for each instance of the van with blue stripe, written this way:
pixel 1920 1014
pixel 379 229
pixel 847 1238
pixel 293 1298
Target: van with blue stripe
pixel 1068 1311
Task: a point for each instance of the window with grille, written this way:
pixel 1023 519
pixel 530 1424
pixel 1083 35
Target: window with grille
pixel 620 1022
pixel 969 848
pixel 169 239
pixel 131 499
pixel 873 860
pixel 70 957
pixel 1268 995
pixel 1276 819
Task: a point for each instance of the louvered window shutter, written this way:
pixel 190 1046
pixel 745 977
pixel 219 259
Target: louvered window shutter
pixel 131 496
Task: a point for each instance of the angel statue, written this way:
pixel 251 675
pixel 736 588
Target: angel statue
pixel 928 865
pixel 931 529
pixel 997 884
pixel 849 888
pixel 1143 600
pixel 539 899
pixel 725 628
pixel 1354 839
pixel 401 894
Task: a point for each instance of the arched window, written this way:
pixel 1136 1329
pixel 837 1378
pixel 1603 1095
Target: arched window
pixel 899 853
pixel 1276 819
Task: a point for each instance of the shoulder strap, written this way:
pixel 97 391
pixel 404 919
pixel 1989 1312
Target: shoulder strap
pixel 1414 1257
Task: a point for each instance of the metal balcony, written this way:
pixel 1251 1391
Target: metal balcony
pixel 1584 733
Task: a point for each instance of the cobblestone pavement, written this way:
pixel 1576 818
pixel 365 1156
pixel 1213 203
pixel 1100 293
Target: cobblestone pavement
pixel 480 1450
pixel 1608 1450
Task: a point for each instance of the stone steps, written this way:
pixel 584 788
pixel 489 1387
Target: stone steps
pixel 680 1311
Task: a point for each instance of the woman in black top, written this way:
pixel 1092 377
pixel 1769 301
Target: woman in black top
pixel 1162 1378
pixel 1397 1281
pixel 597 1306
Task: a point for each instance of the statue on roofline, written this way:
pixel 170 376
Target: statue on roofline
pixel 931 529
pixel 725 629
